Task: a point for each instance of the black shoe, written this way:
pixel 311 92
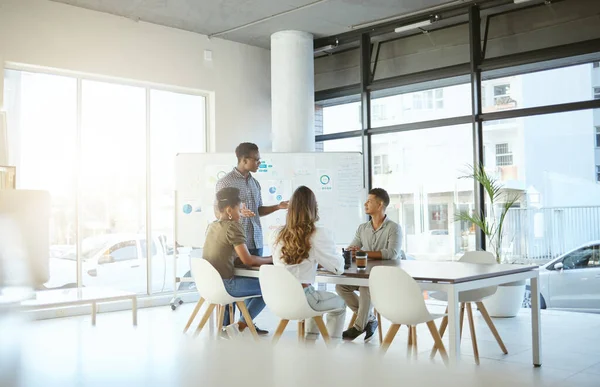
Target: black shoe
pixel 261 332
pixel 370 329
pixel 351 334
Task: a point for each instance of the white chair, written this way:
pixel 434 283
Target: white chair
pixel 399 299
pixel 476 296
pixel 285 297
pixel 212 290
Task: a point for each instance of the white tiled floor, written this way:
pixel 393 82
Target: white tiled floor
pixel 69 351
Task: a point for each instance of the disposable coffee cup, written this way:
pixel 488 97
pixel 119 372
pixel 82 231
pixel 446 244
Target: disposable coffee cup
pixel 361 260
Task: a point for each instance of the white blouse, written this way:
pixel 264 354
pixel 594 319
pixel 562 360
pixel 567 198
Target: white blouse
pixel 322 252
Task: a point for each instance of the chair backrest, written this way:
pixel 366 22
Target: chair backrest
pixel 478 257
pixel 397 296
pixel 482 257
pixel 209 282
pixel 283 293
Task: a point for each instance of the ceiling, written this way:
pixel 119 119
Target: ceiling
pixel 253 21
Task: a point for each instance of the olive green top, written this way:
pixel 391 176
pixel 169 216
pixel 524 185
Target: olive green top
pixel 221 239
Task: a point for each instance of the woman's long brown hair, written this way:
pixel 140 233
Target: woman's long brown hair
pixel 295 236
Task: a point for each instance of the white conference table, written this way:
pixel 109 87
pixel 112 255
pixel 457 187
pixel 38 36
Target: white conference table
pixel 452 278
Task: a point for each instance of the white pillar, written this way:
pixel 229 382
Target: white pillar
pixel 292 92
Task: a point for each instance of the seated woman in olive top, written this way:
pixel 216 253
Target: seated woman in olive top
pixel 224 239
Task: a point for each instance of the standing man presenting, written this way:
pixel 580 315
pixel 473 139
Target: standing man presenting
pixel 241 178
pixel 380 238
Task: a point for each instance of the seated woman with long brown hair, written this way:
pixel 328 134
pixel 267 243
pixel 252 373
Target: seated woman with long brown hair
pixel 300 246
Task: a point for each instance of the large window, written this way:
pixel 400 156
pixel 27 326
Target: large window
pixel 353 144
pixel 403 105
pixel 113 181
pixel 554 172
pixel 96 170
pixel 339 116
pixel 597 136
pixel 42 135
pixel 538 88
pixel 186 113
pixel 421 171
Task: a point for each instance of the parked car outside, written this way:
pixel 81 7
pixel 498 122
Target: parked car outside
pixel 571 281
pixel 117 261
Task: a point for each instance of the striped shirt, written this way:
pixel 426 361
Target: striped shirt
pixel 250 194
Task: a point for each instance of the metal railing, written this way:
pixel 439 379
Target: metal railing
pixel 545 233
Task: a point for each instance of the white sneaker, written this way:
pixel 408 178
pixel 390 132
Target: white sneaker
pixel 233 330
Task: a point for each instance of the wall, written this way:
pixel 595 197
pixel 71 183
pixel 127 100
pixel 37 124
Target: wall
pixel 48 34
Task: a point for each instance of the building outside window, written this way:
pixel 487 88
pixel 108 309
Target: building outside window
pixel 428 100
pixel 502 97
pixel 380 165
pixel 504 155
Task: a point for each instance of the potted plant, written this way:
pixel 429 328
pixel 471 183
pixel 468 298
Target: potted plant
pixel 509 297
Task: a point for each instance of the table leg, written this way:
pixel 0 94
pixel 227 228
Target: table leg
pixel 94 313
pixel 536 321
pixel 453 325
pixel 134 309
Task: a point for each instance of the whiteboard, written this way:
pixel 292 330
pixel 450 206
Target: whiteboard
pixel 335 178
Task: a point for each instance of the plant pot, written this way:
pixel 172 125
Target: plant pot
pixel 507 300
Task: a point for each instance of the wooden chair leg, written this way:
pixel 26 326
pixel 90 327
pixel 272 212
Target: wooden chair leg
pixel 444 323
pixel 352 320
pixel 490 323
pixel 194 314
pixel 379 327
pixel 409 344
pixel 301 331
pixel 207 314
pixel 438 340
pixel 248 319
pixel 322 328
pixel 221 318
pixel 473 336
pixel 443 327
pixel 279 330
pixel 389 337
